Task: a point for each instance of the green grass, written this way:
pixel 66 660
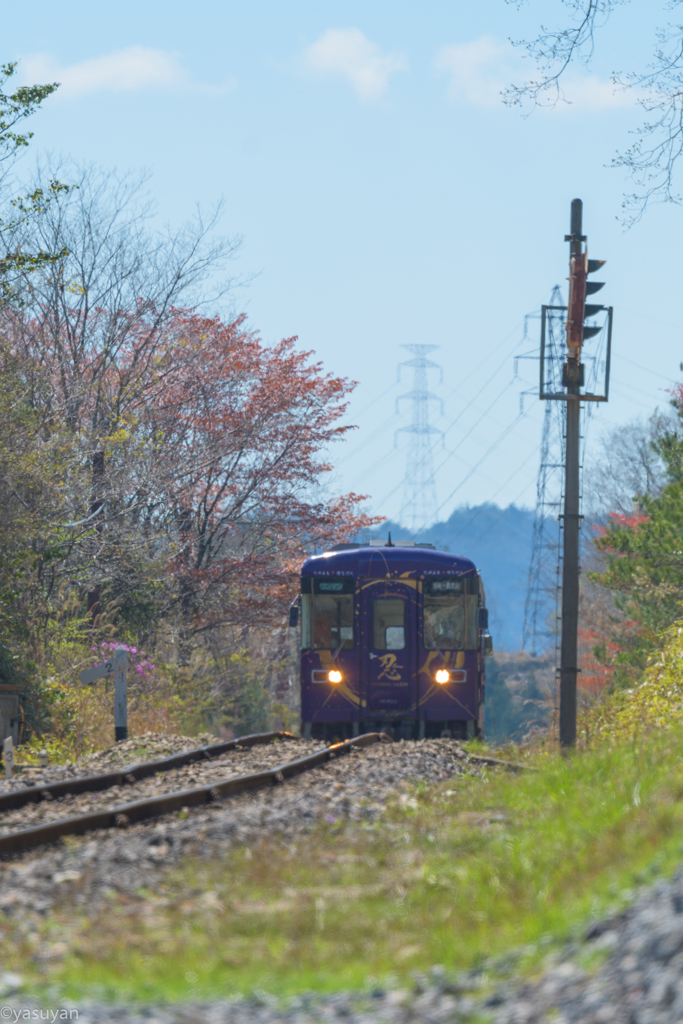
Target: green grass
pixel 457 874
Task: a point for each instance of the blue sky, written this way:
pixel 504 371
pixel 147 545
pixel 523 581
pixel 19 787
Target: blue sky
pixel 384 194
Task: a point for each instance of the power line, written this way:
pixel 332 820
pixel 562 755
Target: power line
pixel 452 453
pixel 647 369
pixel 502 487
pixel 474 468
pixel 471 402
pixel 377 505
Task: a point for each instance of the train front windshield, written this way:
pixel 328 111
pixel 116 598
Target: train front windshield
pixel 327 609
pixel 451 614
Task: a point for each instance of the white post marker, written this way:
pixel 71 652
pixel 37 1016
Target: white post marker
pixel 43 759
pixel 8 755
pixel 118 666
pixel 121 694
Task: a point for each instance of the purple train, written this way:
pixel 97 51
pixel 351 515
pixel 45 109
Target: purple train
pixel 393 638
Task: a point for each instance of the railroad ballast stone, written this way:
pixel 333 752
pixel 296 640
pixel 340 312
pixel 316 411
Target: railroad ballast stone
pixel 641 981
pixel 89 870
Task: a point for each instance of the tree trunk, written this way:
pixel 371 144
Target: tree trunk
pixel 96 503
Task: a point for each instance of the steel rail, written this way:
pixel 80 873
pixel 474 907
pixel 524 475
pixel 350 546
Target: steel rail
pixel 153 807
pixel 494 762
pixel 128 776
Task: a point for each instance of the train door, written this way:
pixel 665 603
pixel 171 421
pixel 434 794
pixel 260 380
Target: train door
pixel 389 649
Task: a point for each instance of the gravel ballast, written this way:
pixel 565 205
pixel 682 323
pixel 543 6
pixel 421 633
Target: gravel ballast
pixel 89 870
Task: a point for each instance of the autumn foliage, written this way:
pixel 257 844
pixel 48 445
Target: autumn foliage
pixel 201 451
pixel 162 471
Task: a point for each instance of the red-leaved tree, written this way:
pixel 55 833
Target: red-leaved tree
pixel 246 432
pixel 210 450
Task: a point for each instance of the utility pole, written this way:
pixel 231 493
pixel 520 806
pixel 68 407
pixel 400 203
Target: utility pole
pixel 573 373
pixel 572 378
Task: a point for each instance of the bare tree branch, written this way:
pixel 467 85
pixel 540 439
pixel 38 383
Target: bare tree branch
pixel 652 159
pixel 554 50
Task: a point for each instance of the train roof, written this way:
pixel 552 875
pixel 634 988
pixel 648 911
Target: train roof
pixel 382 559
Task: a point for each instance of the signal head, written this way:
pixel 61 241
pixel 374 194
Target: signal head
pixel 589 310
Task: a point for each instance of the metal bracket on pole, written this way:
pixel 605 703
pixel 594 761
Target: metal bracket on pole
pixel 563 396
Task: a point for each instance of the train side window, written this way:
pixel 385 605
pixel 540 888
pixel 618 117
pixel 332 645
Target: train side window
pixel 388 624
pixel 450 614
pixel 332 621
pixel 327 612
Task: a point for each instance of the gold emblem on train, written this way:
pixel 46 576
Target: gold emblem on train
pixel 390 670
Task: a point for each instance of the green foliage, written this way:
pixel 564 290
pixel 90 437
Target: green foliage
pixel 645 569
pixel 26 545
pixel 511 711
pixel 15 107
pixel 247 704
pixel 645 574
pixel 223 694
pixel 653 704
pixel 53 710
pixel 128 493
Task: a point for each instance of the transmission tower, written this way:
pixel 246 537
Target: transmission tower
pixel 539 631
pixel 419 487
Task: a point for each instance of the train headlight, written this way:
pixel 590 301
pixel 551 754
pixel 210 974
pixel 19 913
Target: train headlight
pixel 334 676
pixel 443 675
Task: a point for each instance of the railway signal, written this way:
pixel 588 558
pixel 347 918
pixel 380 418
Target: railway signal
pixel 589 331
pixel 573 374
pixel 578 310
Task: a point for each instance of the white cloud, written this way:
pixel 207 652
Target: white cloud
pixel 350 54
pixel 136 67
pixel 592 93
pixel 480 70
pixel 474 70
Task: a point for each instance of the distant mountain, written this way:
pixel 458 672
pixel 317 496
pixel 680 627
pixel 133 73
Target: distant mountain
pixel 498 541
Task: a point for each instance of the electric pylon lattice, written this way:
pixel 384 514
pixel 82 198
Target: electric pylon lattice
pixel 540 626
pixel 419 489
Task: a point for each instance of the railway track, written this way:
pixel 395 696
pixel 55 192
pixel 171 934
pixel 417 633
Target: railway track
pixel 52 799
pixel 216 767
pixel 348 785
pixel 100 781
